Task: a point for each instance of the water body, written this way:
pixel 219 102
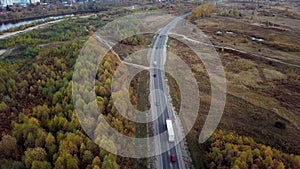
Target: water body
pixel 13 25
pixel 256 39
pixel 248 36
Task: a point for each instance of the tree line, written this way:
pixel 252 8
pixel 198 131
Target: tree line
pixel 230 150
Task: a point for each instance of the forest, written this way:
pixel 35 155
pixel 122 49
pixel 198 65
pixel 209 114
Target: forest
pixel 40 128
pixel 230 150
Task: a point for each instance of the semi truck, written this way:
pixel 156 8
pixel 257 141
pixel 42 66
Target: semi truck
pixel 170 129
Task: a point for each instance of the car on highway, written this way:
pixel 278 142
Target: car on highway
pixel 154 63
pixel 173 158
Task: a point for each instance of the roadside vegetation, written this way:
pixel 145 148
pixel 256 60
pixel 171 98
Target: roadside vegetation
pixel 240 152
pixel 262 70
pixel 140 86
pixel 204 10
pixel 40 128
pixel 270 120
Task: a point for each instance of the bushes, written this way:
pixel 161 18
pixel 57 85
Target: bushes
pixel 280 124
pixel 31 51
pixel 8 147
pixel 284 46
pixel 52 136
pixel 201 11
pixel 10 164
pixel 233 151
pixel 34 155
pixel 3 107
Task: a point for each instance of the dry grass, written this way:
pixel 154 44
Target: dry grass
pixel 274 75
pixel 258 93
pixel 240 65
pixel 250 77
pixel 252 107
pixel 284 46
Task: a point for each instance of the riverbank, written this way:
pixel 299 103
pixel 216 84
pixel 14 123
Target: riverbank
pixel 9 34
pixel 13 27
pixel 13 20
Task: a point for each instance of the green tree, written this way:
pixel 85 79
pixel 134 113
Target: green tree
pixel 96 167
pixel 87 157
pixel 29 133
pixel 34 154
pixel 41 165
pixel 57 97
pixel 9 147
pixel 268 162
pixel 58 123
pixel 70 144
pixel 10 164
pixel 66 160
pixel 51 144
pixel 3 107
pixel 92 147
pixel 280 166
pixel 109 162
pixel 96 161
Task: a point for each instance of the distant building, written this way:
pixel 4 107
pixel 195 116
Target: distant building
pixel 6 2
pixel 35 1
pixel 11 2
pixel 22 1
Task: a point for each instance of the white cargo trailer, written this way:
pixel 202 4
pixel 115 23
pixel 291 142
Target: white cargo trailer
pixel 170 130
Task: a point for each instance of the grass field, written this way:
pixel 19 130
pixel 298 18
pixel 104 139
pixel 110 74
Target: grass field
pixel 260 92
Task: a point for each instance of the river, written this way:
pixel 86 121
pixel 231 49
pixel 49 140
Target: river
pixel 13 25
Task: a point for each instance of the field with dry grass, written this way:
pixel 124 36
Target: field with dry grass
pixel 262 66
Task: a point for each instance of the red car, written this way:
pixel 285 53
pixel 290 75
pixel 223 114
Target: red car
pixel 173 158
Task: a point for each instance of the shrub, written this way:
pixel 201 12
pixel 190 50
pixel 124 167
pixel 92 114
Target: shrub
pixel 3 107
pixel 201 11
pixel 280 124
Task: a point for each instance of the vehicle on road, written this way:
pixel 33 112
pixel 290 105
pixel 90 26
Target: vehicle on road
pixel 170 129
pixel 173 158
pixel 154 63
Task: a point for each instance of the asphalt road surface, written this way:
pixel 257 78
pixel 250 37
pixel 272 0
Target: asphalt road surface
pixel 160 102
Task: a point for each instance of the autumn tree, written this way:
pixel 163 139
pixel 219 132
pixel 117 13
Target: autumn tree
pixel 201 11
pixel 41 165
pixel 234 151
pixel 66 160
pixel 109 162
pixel 34 154
pixel 9 147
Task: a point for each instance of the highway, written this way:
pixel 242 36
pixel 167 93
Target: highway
pixel 159 101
